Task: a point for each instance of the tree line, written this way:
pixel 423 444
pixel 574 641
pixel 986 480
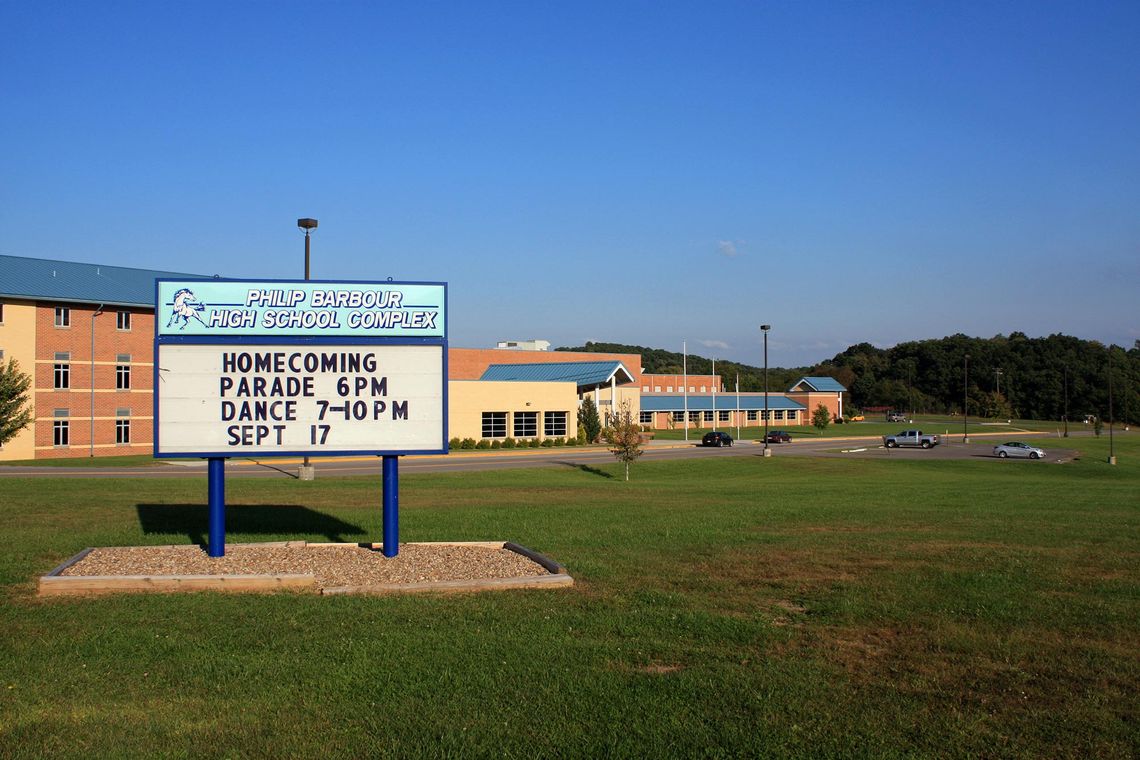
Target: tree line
pixel 1005 376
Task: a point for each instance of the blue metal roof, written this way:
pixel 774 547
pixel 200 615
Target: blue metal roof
pixel 584 374
pixel 820 384
pixel 724 402
pixel 50 280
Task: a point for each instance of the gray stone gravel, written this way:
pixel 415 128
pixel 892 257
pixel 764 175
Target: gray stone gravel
pixel 332 566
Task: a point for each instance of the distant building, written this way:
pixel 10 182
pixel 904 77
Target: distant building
pixel 525 345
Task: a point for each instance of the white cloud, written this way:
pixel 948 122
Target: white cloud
pixel 728 247
pixel 715 344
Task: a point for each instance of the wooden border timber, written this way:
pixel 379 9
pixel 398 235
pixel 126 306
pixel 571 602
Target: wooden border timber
pixel 54 584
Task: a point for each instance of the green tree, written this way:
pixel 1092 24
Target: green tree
pixel 821 418
pixel 623 436
pixel 15 411
pixel 589 421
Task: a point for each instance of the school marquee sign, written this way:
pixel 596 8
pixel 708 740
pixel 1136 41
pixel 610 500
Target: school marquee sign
pixel 245 368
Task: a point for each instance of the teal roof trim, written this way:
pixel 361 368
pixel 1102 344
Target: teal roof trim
pixel 583 374
pixel 68 281
pixel 819 384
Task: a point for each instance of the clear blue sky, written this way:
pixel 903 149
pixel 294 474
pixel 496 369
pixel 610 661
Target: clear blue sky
pixel 633 172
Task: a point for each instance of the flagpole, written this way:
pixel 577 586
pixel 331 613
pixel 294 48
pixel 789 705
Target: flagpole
pixel 714 393
pixel 685 387
pixel 738 406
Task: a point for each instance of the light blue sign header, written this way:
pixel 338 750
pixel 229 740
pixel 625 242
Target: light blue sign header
pixel 308 308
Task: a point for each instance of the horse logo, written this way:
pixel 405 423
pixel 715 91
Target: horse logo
pixel 186 307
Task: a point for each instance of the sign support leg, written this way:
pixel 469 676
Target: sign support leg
pixel 391 506
pixel 217 489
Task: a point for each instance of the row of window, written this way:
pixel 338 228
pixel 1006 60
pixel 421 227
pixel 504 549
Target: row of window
pixel 680 389
pixel 61 372
pixel 63 318
pixel 525 424
pixel 724 416
pixel 61 428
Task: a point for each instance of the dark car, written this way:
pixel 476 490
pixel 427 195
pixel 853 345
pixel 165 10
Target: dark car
pixel 778 436
pixel 716 438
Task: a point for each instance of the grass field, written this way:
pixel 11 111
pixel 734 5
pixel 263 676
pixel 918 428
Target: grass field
pixel 724 607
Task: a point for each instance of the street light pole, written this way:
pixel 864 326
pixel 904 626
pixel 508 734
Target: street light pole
pixel 965 398
pixel 307 225
pixel 1065 418
pixel 1111 416
pixel 766 328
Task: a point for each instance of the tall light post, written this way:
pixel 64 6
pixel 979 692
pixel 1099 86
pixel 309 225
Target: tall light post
pixel 766 328
pixel 965 397
pixel 307 225
pixel 99 311
pixel 1111 416
pixel 1065 418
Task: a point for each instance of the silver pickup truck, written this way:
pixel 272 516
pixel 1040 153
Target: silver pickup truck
pixel 912 438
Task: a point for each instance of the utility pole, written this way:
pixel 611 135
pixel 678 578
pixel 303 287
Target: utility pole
pixel 307 472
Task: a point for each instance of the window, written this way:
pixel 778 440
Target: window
pixel 752 415
pixel 1 313
pixel 645 389
pixel 792 414
pixel 764 414
pixel 123 372
pixel 494 424
pixel 692 389
pixel 669 389
pixel 678 416
pixel 708 416
pixel 526 424
pixel 61 372
pixel 657 389
pixel 779 414
pixel 702 389
pixel 694 416
pixel 61 429
pixel 123 320
pixel 645 418
pixel 122 431
pixel 723 416
pixel 554 424
pixel 62 316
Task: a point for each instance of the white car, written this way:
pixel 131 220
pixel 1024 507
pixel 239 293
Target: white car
pixel 1018 449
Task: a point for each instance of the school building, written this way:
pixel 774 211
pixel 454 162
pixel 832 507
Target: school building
pixel 85 333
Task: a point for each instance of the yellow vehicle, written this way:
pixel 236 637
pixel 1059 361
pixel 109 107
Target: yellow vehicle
pixel 855 418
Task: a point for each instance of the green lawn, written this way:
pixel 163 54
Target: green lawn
pixel 730 606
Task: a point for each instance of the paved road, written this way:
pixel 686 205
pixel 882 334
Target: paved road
pixel 980 446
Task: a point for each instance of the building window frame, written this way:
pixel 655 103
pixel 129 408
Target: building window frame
pixel 779 414
pixel 694 416
pixel 724 415
pixel 554 424
pixel 525 424
pixel 678 416
pixel 61 432
pixel 753 415
pixel 123 431
pixel 62 316
pixel 708 416
pixel 122 377
pixel 123 321
pixel 494 425
pixel 61 376
pixel 645 418
pixel 792 414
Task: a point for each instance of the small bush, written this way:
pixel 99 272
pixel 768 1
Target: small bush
pixel 571 441
pixel 454 443
pixel 496 444
pixel 533 443
pixel 547 443
pixel 559 441
pixel 483 444
pixel 468 443
pixel 508 443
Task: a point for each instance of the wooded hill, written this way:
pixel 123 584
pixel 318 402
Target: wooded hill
pixel 928 375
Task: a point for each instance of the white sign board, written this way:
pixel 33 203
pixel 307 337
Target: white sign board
pixel 241 399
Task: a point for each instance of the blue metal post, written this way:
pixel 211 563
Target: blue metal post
pixel 217 488
pixel 391 506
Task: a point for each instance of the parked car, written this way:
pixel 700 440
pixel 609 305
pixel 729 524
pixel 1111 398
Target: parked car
pixel 896 417
pixel 1018 449
pixel 855 418
pixel 716 438
pixel 778 436
pixel 911 438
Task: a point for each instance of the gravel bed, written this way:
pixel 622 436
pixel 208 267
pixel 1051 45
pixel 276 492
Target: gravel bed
pixel 331 565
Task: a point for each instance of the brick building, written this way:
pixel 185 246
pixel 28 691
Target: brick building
pixel 84 333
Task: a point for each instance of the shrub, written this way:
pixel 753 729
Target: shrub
pixel 454 443
pixel 559 441
pixel 483 444
pixel 547 443
pixel 533 443
pixel 508 443
pixel 496 444
pixel 468 443
pixel 571 441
